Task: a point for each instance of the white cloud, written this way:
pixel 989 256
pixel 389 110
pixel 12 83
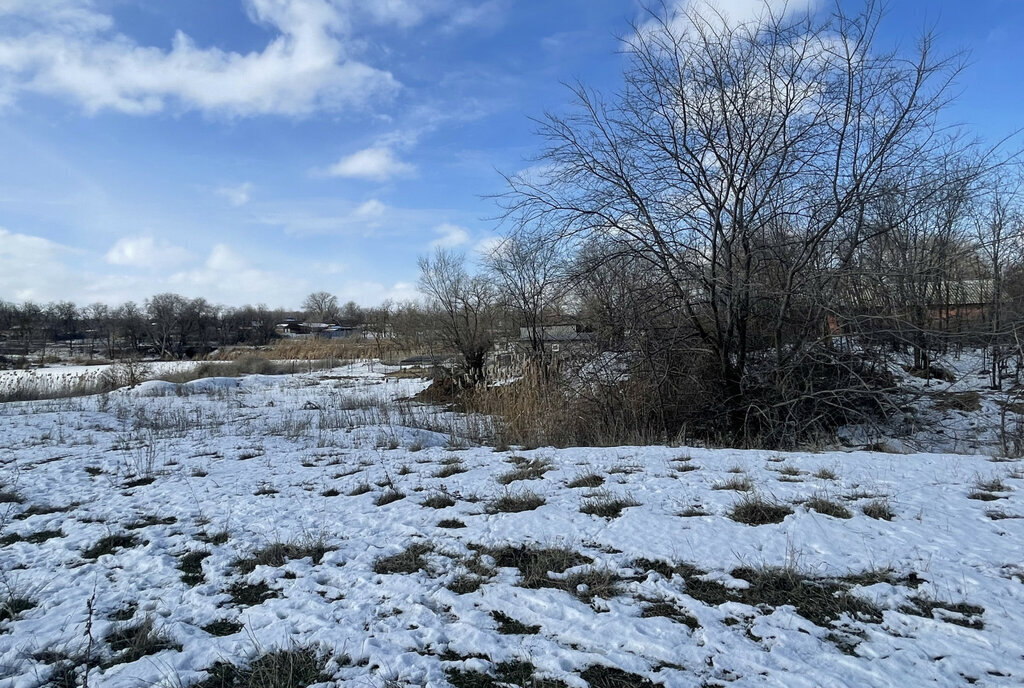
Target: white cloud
pixel 375 293
pixel 488 245
pixel 739 11
pixel 450 236
pixel 69 49
pixel 366 219
pixel 27 263
pixel 236 195
pixel 69 14
pixel 369 210
pixel 223 259
pixel 377 164
pixel 145 252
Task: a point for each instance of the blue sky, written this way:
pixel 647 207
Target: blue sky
pixel 253 151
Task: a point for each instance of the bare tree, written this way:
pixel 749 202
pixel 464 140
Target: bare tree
pixel 466 307
pixel 321 306
pixel 737 163
pixel 999 226
pixel 530 274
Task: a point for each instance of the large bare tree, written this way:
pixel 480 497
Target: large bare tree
pixel 736 163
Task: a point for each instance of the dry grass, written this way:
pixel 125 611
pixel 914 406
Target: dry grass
pixel 755 510
pixel 965 402
pixel 134 641
pixel 438 500
pixel 410 560
pixel 737 483
pixel 828 507
pixel 388 496
pixel 450 466
pixel 109 545
pixel 279 553
pixel 525 469
pixel 509 626
pixel 251 594
pixel 879 509
pixel 590 480
pixel 514 502
pixel 191 567
pixel 536 564
pixel 298 667
pixel 607 505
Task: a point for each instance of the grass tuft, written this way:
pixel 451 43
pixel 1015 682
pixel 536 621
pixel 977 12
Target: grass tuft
pixel 251 594
pixel 737 483
pixel 828 507
pixel 191 566
pixel 879 509
pixel 599 676
pixel 515 502
pixel 223 627
pixel 297 667
pixel 590 480
pixel 755 510
pixel 13 605
pixel 439 500
pixel 607 505
pixel 279 553
pixel 526 469
pixel 668 610
pixel 451 466
pixel 537 564
pixel 134 641
pixel 408 561
pixel 109 545
pixel 388 496
pixel 509 626
pixel 958 613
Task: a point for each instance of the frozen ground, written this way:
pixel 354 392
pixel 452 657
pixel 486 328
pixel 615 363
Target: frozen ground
pixel 152 534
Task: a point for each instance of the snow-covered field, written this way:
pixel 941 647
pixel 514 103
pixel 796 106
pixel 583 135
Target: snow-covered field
pixel 151 534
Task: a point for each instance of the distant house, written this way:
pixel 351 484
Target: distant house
pixel 317 330
pixel 562 342
pixel 569 332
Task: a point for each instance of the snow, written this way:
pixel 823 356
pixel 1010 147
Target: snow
pixel 273 459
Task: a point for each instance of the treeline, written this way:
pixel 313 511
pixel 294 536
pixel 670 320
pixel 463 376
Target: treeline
pixel 172 326
pixel 167 325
